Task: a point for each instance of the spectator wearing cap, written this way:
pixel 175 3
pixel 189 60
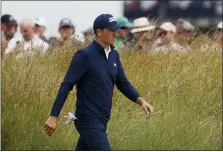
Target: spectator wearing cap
pixel 166 39
pixel 88 35
pixel 28 42
pixel 8 30
pixel 186 32
pixel 40 27
pixel 143 32
pixel 95 70
pixel 124 36
pixel 8 27
pixel 66 31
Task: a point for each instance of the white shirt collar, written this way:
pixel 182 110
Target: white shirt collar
pixel 107 51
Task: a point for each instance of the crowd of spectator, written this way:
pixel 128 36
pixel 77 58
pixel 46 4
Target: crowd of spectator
pixel 142 34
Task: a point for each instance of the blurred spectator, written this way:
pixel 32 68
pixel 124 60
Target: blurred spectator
pixel 184 26
pixel 186 32
pixel 216 33
pixel 166 39
pixel 143 33
pixel 219 30
pixel 8 30
pixel 88 35
pixel 4 20
pixel 207 43
pixel 28 42
pixel 40 27
pixel 53 41
pixel 8 27
pixel 67 32
pixel 124 36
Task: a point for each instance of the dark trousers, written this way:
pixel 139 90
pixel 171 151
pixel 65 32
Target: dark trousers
pixel 93 136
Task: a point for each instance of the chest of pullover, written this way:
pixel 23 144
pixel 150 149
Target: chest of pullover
pixel 95 88
pixel 95 77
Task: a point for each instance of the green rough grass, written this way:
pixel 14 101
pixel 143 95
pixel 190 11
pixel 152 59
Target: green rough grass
pixel 185 90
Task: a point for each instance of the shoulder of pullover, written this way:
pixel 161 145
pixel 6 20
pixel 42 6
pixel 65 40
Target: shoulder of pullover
pixel 89 50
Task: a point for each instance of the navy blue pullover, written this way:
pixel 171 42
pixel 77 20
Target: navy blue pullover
pixel 94 76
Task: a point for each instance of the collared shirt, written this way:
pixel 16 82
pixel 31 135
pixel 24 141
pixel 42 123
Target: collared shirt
pixel 95 76
pixel 107 51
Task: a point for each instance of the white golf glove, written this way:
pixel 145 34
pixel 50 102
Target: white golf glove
pixel 70 117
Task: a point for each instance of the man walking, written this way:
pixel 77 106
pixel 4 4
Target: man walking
pixel 95 69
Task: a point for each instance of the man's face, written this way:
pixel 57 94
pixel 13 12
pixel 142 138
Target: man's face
pixel 66 33
pixel 107 36
pixel 10 31
pixel 39 30
pixel 27 32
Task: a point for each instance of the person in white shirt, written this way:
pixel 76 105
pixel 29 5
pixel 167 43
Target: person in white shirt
pixel 166 40
pixel 27 42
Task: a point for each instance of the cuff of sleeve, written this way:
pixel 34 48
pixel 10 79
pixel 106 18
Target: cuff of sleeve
pixel 136 96
pixel 54 114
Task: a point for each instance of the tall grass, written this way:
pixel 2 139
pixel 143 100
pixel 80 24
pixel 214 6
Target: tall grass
pixel 185 90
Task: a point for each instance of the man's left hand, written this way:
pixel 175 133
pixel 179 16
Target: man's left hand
pixel 146 106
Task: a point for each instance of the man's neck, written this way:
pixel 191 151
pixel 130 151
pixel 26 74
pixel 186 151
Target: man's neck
pixel 102 44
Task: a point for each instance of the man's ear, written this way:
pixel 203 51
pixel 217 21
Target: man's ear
pixel 99 31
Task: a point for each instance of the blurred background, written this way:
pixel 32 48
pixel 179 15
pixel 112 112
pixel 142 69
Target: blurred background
pixel 82 13
pixel 205 13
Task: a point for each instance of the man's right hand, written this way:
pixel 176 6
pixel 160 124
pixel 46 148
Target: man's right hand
pixel 50 125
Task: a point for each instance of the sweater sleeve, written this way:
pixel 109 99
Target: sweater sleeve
pixel 78 67
pixel 124 85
